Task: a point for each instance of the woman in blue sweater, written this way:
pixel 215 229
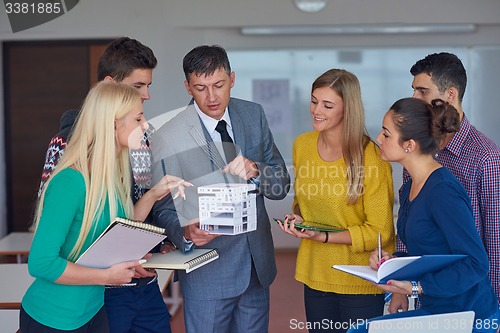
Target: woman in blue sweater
pixel 435 217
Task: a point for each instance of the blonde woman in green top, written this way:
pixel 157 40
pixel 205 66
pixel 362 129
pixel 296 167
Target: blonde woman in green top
pixel 90 186
pixel 341 182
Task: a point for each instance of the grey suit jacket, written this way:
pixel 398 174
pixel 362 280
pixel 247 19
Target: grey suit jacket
pixel 183 147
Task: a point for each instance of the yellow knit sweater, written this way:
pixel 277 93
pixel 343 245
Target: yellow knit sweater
pixel 320 191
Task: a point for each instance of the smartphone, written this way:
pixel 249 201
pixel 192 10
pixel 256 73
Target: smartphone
pixel 298 226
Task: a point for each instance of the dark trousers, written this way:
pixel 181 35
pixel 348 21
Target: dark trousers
pixel 245 313
pixel 137 309
pixel 98 324
pixel 331 312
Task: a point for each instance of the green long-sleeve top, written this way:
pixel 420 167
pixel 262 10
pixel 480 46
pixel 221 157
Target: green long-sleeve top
pixel 64 307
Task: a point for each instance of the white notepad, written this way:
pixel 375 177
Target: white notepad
pixel 123 240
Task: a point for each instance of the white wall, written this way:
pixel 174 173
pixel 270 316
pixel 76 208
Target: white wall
pixel 485 71
pixel 3 203
pixel 172 28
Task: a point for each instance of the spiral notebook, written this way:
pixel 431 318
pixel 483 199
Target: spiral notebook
pixel 123 240
pixel 185 261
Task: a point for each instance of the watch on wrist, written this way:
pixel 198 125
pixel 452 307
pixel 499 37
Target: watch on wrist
pixel 414 289
pixel 420 288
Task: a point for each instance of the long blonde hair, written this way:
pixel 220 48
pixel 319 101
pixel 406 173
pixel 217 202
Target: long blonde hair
pixel 355 136
pixel 92 151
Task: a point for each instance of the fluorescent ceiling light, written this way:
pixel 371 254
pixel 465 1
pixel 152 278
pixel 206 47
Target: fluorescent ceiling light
pixel 310 6
pixel 359 29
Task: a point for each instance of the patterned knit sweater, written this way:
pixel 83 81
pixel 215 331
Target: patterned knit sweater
pixel 140 159
pixel 320 191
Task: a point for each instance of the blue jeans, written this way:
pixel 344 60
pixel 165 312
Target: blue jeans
pixel 137 309
pixel 488 325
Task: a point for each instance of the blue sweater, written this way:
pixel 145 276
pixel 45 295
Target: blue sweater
pixel 439 220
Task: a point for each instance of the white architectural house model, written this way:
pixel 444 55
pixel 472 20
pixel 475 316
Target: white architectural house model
pixel 227 209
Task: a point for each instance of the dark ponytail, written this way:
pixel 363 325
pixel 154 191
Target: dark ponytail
pixel 426 124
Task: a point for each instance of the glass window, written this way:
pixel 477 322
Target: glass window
pixel 384 75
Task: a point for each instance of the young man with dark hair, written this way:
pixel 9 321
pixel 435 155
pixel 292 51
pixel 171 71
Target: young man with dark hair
pixel 124 60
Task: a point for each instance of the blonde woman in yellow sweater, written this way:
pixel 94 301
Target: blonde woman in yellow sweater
pixel 340 182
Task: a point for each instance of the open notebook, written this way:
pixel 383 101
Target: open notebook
pixel 123 240
pixel 402 268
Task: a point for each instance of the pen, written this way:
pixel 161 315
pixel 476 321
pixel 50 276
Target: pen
pixel 163 167
pixel 379 248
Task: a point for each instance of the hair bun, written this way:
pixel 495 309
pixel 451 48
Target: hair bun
pixel 445 118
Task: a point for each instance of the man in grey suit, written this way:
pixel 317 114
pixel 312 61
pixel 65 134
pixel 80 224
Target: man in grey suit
pixel 230 294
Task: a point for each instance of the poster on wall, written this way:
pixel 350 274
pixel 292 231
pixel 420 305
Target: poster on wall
pixel 274 96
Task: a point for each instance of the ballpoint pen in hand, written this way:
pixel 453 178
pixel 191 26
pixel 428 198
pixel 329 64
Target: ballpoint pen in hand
pixel 379 249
